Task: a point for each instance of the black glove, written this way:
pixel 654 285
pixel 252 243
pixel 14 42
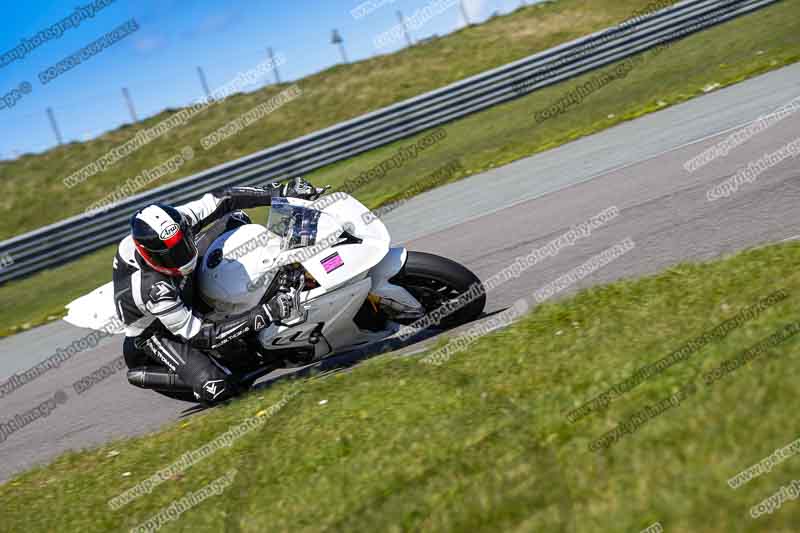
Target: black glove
pixel 213 335
pixel 300 188
pixel 278 308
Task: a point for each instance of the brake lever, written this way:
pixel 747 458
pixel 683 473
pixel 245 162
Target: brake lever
pixel 321 191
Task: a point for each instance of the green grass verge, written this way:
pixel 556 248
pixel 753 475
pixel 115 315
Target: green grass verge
pixel 481 443
pixel 32 193
pixel 725 55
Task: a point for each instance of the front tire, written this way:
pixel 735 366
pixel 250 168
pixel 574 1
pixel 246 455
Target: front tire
pixel 435 280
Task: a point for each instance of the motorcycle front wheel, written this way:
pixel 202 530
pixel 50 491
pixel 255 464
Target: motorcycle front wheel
pixel 435 280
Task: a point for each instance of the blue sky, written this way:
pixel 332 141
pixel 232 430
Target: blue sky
pixel 158 62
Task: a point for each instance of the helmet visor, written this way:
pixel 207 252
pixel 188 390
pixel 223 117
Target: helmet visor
pixel 182 253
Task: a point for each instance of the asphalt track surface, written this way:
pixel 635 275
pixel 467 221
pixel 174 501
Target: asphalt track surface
pixel 486 222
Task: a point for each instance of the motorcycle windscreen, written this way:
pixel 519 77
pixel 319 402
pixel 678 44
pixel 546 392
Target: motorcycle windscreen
pixel 333 258
pixel 295 225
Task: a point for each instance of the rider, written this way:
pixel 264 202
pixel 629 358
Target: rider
pixel 153 286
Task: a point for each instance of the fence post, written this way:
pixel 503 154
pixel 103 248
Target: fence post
pixel 128 101
pixel 54 125
pixel 204 83
pixel 405 28
pixel 274 66
pixel 337 39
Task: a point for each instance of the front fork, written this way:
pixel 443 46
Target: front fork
pixel 394 300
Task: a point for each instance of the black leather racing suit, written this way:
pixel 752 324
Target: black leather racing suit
pixel 157 309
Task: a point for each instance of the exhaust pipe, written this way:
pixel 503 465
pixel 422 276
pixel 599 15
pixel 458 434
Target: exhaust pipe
pixel 154 377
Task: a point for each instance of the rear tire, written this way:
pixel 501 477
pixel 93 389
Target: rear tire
pixel 434 280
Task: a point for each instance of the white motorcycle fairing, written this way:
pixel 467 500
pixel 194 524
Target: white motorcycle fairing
pixel 350 259
pixel 95 310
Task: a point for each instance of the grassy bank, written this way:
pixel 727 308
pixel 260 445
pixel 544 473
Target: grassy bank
pixel 723 55
pixel 481 442
pixel 32 193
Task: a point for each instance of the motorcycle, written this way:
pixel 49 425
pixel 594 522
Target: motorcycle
pixel 351 289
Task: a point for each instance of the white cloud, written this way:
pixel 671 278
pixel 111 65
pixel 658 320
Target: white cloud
pixel 150 43
pixel 479 10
